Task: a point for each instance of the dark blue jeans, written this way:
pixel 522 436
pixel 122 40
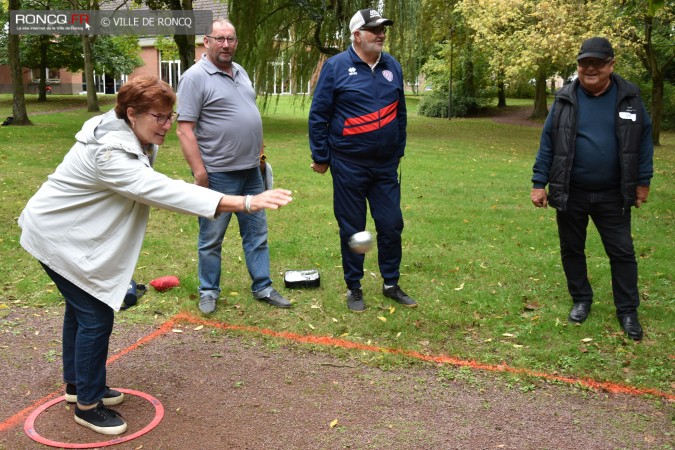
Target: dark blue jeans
pixel 613 223
pixel 379 186
pixel 87 325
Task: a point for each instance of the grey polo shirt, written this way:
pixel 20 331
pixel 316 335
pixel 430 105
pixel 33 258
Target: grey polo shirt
pixel 229 127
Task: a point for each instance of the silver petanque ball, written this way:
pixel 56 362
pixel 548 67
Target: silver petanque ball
pixel 361 242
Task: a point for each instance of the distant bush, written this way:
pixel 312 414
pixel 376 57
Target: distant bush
pixel 435 104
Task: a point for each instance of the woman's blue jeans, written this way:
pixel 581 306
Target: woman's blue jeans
pixel 253 230
pixel 87 325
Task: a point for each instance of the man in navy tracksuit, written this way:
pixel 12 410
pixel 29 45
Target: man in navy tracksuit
pixel 357 127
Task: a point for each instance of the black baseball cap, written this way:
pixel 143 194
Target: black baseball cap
pixel 596 47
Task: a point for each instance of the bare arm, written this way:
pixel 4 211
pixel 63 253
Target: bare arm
pixel 188 143
pixel 273 199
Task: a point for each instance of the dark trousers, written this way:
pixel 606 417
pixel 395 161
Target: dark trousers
pixel 87 325
pixel 379 186
pixel 613 223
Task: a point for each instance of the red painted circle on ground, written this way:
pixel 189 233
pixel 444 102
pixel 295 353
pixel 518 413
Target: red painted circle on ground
pixel 29 426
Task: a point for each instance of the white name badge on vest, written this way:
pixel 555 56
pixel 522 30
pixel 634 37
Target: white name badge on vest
pixel 627 115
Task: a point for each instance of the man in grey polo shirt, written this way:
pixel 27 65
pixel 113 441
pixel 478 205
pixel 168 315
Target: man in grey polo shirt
pixel 220 131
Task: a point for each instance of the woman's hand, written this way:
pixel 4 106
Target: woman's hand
pixel 272 199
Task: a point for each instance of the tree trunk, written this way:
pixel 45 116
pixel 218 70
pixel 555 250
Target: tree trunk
pixel 42 88
pixel 657 107
pixel 18 99
pixel 656 74
pixel 186 51
pixel 540 107
pixel 501 91
pixel 185 43
pixel 92 99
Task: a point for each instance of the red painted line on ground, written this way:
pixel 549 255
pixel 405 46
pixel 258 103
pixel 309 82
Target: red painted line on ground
pixel 614 388
pixel 166 326
pixel 21 415
pixel 606 386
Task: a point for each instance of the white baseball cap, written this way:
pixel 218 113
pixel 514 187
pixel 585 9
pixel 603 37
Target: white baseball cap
pixel 367 18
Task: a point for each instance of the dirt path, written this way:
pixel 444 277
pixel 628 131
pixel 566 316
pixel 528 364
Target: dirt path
pixel 244 391
pixel 516 115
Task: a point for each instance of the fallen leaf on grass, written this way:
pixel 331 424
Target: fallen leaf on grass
pixel 334 423
pixel 199 327
pixel 176 330
pixel 587 340
pixel 383 319
pixel 508 335
pixel 392 310
pixel 532 306
pixel 311 326
pixel 461 286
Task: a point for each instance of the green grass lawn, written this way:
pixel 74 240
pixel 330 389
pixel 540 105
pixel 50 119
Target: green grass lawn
pixel 482 262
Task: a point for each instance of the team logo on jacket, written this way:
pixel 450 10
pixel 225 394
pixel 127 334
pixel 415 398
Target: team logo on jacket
pixel 388 75
pixel 351 71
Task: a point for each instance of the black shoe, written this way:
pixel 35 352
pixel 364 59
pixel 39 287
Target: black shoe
pixel 110 398
pixel 631 326
pixel 355 300
pixel 276 299
pixel 401 297
pixel 579 312
pixel 101 419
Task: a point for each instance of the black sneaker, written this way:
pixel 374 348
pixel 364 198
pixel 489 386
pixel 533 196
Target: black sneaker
pixel 101 419
pixel 355 300
pixel 110 398
pixel 397 294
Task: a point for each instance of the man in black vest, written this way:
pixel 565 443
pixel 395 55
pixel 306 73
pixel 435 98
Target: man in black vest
pixel 596 156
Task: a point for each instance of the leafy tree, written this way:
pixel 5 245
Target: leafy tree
pixel 456 68
pixel 536 38
pixel 301 33
pixel 643 28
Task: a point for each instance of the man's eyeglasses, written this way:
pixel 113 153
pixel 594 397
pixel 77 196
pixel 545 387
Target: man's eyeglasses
pixel 162 119
pixel 221 39
pixel 595 62
pixel 375 30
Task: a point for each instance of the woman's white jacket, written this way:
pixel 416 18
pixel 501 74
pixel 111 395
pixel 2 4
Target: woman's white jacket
pixel 88 220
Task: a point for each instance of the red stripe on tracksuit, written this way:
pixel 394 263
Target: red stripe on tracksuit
pixel 370 122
